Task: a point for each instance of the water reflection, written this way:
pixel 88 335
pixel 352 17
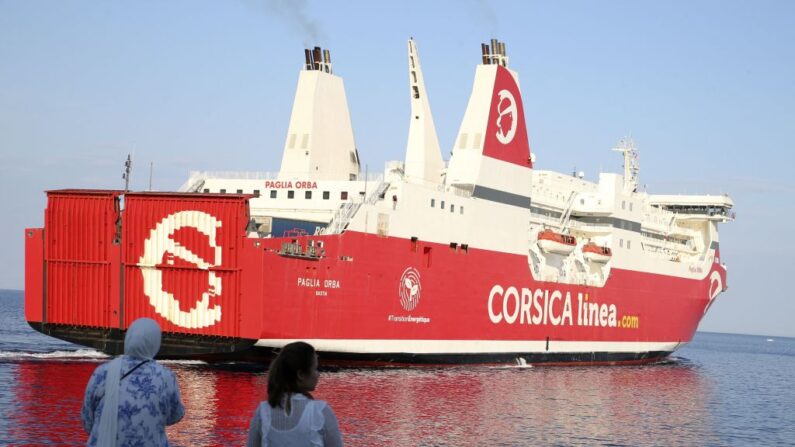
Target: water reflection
pixel 450 406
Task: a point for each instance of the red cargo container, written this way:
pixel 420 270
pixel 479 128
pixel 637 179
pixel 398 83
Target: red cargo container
pixel 81 258
pixel 181 261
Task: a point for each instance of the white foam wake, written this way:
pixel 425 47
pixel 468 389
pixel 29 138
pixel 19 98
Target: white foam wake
pixel 80 354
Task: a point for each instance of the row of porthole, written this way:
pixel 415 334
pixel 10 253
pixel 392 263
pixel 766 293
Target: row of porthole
pixel 452 206
pixel 290 194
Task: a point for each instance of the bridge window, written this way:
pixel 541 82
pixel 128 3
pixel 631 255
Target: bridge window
pixel 256 192
pixel 273 193
pixel 240 191
pixel 307 194
pixel 344 195
pixel 222 191
pixel 206 189
pixel 326 195
pixel 290 194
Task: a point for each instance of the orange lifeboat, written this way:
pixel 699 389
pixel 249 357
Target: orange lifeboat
pixel 552 242
pixel 596 253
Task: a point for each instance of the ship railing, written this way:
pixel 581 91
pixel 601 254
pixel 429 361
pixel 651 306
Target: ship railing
pixel 590 226
pixel 379 193
pixel 342 217
pixel 564 218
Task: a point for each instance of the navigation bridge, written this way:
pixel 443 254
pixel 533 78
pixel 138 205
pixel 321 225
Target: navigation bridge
pixel 716 208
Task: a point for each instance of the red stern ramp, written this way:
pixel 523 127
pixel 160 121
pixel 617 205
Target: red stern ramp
pixel 111 257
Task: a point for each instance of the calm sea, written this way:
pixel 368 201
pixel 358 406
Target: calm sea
pixel 720 390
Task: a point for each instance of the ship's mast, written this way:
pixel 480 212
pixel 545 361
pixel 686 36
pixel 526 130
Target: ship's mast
pixel 423 155
pixel 627 147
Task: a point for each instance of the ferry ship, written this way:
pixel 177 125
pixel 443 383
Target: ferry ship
pixel 477 259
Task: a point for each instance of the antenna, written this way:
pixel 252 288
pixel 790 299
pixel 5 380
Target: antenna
pixel 627 147
pixel 127 171
pixel 151 167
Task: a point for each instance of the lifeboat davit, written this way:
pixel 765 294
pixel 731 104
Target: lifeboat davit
pixel 596 253
pixel 552 242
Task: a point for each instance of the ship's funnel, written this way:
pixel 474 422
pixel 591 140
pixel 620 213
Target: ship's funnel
pixel 423 155
pixel 492 150
pixel 320 144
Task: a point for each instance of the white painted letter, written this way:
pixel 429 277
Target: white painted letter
pixel 527 297
pixel 537 306
pixel 496 290
pixel 611 319
pixel 603 315
pixel 556 295
pixel 511 292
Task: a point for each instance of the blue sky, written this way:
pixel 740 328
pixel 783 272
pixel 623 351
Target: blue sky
pixel 706 88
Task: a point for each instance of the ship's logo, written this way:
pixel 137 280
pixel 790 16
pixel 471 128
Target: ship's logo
pixel 506 117
pixel 409 289
pixel 715 287
pixel 162 246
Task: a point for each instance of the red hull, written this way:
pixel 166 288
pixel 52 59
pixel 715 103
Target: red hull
pixel 361 296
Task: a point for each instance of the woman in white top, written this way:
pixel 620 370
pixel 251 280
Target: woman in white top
pixel 291 416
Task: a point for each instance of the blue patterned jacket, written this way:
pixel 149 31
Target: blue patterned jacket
pixel 148 402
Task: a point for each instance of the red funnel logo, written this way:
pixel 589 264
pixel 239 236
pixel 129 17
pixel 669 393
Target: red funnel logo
pixel 506 118
pixel 506 133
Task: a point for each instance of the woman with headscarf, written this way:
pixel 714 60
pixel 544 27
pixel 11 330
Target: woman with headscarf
pixel 131 399
pixel 291 416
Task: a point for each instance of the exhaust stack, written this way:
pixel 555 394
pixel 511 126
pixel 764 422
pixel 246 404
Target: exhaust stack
pixel 320 143
pixel 494 54
pixel 318 59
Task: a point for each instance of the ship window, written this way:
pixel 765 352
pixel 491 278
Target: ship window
pixel 240 191
pixel 307 194
pixel 441 205
pixel 621 243
pixel 305 141
pixel 291 143
pixel 206 189
pixel 462 142
pixel 582 201
pixel 414 76
pixel 465 248
pixel 256 192
pixel 353 158
pixel 461 209
pixel 416 91
pixel 414 244
pixel 411 59
pixel 630 206
pixel 344 195
pixel 623 205
pixel 273 193
pixel 433 203
pixel 452 208
pixel 290 194
pixel 629 243
pixel 476 141
pixel 326 195
pixel 453 246
pixel 222 191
